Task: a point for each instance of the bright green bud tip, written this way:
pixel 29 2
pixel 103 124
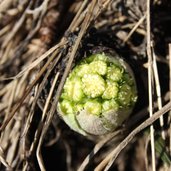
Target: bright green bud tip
pixel 99 67
pixel 114 73
pixel 93 85
pixel 93 107
pixel 98 95
pixel 81 70
pixel 111 90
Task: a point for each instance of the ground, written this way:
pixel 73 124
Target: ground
pixel 40 42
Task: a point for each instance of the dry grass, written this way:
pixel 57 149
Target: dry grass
pixel 39 43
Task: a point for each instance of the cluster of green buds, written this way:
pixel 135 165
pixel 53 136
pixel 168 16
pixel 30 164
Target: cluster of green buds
pixel 98 95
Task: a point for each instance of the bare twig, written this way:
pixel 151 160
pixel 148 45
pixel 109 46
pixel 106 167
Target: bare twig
pixel 97 147
pixel 39 156
pixel 30 117
pixel 170 93
pixel 158 90
pixel 3 160
pixel 150 90
pixel 134 28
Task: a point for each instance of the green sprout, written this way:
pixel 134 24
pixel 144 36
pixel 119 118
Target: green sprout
pixel 98 95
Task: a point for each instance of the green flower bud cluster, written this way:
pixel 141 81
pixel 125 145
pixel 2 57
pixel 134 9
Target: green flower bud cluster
pixel 98 95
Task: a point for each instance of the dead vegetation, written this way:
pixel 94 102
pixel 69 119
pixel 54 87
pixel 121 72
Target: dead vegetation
pixel 39 43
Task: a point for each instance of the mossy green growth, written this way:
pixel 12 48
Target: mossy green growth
pixel 98 84
pixel 93 85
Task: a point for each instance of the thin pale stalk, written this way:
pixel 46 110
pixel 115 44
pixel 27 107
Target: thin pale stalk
pixel 150 89
pixel 170 94
pixel 135 28
pixel 158 90
pixel 39 156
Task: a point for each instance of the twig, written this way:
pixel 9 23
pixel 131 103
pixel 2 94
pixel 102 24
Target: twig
pixel 79 17
pixel 97 147
pixel 3 160
pixel 150 90
pixel 38 151
pixel 38 60
pixel 30 117
pixel 12 97
pixel 158 90
pixel 170 94
pixel 5 29
pixel 134 28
